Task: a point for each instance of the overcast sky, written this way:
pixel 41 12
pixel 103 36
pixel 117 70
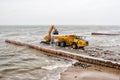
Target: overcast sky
pixel 62 12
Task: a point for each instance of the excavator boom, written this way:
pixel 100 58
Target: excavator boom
pixel 51 29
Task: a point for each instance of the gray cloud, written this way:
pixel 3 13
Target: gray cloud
pixel 98 12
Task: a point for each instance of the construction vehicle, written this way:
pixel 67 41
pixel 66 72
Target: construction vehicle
pixel 74 41
pixel 48 38
pixel 68 40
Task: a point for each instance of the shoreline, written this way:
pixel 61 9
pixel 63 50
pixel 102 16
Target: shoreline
pixel 67 54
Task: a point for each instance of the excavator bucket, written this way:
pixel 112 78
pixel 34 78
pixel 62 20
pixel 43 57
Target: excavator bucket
pixel 55 32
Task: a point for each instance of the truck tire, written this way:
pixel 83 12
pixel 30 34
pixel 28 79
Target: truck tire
pixel 58 43
pixel 63 44
pixel 74 46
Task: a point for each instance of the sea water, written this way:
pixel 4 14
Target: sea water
pixel 22 63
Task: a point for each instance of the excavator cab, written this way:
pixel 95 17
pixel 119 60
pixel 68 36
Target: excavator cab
pixel 55 32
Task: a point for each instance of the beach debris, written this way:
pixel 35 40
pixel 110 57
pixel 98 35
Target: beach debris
pixel 104 34
pixel 98 70
pixel 83 65
pixel 75 76
pixel 107 52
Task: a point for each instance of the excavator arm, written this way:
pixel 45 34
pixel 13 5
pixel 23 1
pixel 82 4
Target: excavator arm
pixel 48 37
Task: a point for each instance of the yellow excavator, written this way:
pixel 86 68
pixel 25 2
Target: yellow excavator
pixel 48 38
pixel 74 41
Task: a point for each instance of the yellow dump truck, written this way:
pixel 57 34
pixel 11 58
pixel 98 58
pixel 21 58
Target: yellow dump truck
pixel 71 40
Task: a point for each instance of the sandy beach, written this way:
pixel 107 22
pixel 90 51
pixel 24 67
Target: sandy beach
pixel 92 72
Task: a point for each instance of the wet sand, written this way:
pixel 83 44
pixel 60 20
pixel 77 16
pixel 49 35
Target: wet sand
pixel 92 72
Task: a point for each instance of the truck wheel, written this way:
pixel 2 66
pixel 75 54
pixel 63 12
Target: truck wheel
pixel 74 46
pixel 58 43
pixel 63 44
